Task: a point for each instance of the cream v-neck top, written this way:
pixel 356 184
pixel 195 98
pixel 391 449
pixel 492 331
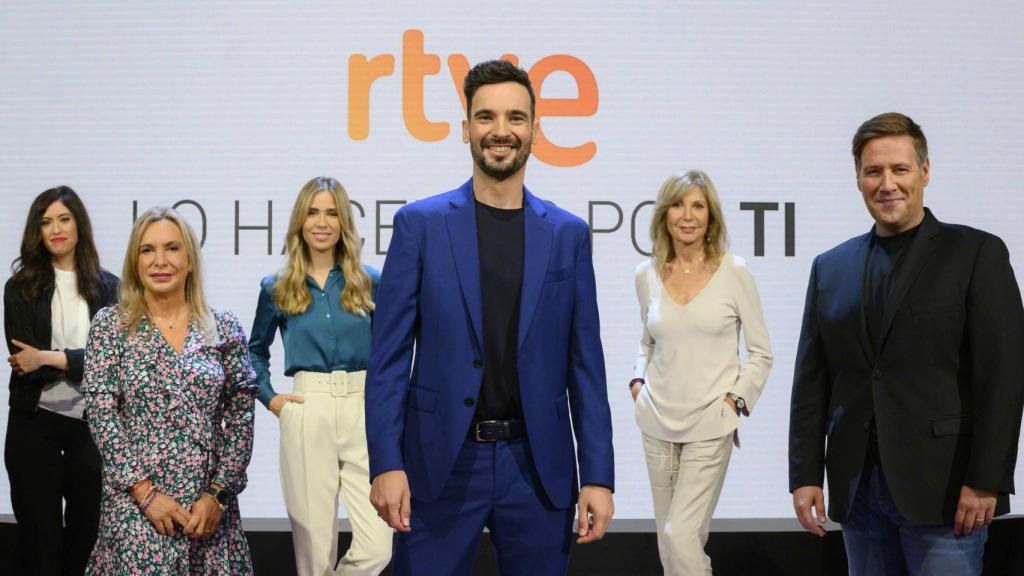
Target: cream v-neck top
pixel 689 355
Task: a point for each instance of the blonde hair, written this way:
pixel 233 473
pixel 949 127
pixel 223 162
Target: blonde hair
pixel 717 239
pixel 133 302
pixel 290 292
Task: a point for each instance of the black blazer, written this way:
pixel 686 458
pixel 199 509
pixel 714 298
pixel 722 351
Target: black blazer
pixel 943 383
pixel 30 322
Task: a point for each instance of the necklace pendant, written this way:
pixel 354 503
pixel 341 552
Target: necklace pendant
pixel 170 325
pixel 686 271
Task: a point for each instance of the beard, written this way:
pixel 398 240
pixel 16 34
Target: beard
pixel 507 167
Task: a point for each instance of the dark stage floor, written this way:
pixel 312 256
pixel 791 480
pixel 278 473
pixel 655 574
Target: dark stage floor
pixel 636 554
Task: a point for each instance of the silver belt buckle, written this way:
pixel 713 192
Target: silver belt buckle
pixel 476 430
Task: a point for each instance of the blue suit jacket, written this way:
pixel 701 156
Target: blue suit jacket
pixel 429 317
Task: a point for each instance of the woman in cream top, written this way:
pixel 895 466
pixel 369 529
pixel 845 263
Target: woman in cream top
pixel 690 387
pixel 689 356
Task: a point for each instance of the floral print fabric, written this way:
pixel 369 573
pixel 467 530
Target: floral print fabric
pixel 181 420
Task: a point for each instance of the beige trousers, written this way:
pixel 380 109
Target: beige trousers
pixel 686 480
pixel 323 452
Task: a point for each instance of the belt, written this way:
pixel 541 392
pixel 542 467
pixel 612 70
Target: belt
pixel 337 383
pixel 494 430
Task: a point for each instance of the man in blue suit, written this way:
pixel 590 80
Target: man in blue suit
pixel 488 295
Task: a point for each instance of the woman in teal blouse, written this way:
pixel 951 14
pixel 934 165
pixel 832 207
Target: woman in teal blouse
pixel 322 302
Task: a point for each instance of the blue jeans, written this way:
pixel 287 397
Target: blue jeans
pixel 881 542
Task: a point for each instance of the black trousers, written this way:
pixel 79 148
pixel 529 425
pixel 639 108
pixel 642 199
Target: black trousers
pixel 54 469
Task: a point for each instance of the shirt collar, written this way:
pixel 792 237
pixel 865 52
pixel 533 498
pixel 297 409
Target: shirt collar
pixel 333 277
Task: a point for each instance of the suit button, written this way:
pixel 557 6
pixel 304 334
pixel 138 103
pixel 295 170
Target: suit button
pixel 876 375
pixel 867 426
pixel 477 363
pixel 468 402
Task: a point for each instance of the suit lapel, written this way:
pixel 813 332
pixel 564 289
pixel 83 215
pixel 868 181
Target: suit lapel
pixel 537 238
pixel 859 263
pixel 918 254
pixel 461 220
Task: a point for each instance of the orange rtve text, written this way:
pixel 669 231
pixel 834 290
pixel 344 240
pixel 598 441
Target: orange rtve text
pixel 416 64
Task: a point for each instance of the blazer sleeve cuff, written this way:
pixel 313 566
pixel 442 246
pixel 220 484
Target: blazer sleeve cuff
pixel 381 465
pixel 76 363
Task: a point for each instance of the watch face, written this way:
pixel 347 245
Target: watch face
pixel 222 496
pixel 740 403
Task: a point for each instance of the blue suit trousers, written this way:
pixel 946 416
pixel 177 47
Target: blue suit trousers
pixel 494 484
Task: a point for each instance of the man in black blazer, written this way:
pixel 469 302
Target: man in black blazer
pixel 907 387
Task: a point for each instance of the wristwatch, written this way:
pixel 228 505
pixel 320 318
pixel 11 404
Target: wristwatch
pixel 221 495
pixel 741 404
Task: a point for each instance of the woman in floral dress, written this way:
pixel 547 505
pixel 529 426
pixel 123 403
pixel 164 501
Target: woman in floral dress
pixel 169 393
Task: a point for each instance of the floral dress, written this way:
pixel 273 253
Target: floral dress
pixel 181 420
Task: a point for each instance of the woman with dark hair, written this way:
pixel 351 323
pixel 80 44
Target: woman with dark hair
pixel 322 302
pixel 52 462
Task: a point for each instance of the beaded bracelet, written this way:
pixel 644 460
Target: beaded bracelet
pixel 148 498
pixel 147 494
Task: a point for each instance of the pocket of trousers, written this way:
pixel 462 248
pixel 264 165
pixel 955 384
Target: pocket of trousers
pixel 289 413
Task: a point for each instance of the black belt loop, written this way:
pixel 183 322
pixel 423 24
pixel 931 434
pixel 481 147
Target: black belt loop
pixel 494 430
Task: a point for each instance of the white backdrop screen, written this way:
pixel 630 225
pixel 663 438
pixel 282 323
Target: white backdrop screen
pixel 227 108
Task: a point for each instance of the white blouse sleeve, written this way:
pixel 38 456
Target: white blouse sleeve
pixel 754 373
pixel 643 289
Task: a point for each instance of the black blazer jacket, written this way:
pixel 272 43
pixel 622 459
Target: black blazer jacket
pixel 30 322
pixel 944 382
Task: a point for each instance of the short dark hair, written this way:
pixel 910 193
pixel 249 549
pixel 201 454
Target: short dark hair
pixel 889 124
pixel 33 269
pixel 496 72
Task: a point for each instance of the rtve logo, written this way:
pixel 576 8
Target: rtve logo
pixel 416 64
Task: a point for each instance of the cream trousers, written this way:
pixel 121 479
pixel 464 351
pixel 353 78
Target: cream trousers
pixel 323 453
pixel 686 480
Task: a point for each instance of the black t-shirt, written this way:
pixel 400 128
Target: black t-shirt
pixel 499 234
pixel 884 263
pixel 885 259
